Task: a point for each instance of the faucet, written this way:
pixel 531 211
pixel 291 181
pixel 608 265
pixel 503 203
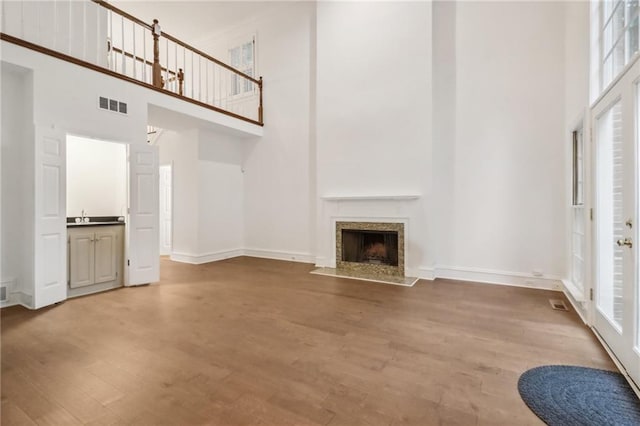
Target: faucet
pixel 84 218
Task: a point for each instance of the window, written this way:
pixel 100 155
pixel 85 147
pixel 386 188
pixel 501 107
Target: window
pixel 578 169
pixel 242 58
pixel 617 31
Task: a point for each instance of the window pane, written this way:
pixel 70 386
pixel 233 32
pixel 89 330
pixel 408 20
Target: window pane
pixel 632 34
pixel 607 7
pixel 247 53
pixel 618 58
pixel 610 222
pixel 234 57
pixel 607 39
pixel 632 7
pixel 618 23
pixel 607 71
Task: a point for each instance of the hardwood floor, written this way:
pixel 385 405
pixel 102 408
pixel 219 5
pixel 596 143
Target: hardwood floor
pixel 258 342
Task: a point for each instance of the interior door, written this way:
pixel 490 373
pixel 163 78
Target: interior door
pixel 615 121
pixel 143 254
pixel 165 209
pixel 50 245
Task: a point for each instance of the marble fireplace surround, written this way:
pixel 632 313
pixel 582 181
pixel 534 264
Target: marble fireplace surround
pixel 397 208
pixel 370 268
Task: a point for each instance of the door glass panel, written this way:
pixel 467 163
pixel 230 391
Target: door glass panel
pixel 610 225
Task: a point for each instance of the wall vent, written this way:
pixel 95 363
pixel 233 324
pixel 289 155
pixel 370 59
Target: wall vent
pixel 112 105
pixel 3 293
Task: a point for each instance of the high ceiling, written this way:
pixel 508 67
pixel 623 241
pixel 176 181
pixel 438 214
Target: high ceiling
pixel 193 21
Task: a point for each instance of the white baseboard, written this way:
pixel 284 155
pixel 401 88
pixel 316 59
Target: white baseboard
pixel 423 272
pixel 281 255
pixel 18 298
pixel 197 259
pixel 579 305
pixel 516 279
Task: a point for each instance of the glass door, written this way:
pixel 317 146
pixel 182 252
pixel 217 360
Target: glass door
pixel 615 120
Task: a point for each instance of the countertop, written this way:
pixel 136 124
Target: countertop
pixel 96 221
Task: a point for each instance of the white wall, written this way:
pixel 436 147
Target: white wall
pixel 96 177
pixel 279 202
pixel 208 194
pixel 220 195
pixel 374 113
pixel 508 165
pixel 181 150
pixel 17 234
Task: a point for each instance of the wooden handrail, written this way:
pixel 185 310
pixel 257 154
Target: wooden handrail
pixel 44 50
pixel 121 12
pixel 209 57
pixel 175 40
pixel 139 59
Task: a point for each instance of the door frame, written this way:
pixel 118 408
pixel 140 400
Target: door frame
pixel 630 78
pixel 171 184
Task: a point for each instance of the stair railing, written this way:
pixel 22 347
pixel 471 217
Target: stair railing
pixel 101 36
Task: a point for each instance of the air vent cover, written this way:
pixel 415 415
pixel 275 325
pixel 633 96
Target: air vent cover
pixel 3 294
pixel 113 105
pixel 558 305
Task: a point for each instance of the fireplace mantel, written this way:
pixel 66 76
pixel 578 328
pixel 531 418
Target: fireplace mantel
pixel 399 197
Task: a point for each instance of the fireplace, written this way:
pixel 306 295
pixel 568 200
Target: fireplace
pixel 370 247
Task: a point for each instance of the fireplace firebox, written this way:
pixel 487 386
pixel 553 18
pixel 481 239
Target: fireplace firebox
pixel 370 247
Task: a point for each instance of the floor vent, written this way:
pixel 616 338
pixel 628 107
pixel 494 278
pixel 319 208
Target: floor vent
pixel 558 305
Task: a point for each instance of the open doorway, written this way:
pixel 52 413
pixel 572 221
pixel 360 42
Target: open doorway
pixel 97 203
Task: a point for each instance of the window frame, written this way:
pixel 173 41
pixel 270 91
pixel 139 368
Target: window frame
pixel 237 81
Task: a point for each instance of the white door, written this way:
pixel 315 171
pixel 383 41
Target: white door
pixel 143 256
pixel 165 209
pixel 615 120
pixel 50 243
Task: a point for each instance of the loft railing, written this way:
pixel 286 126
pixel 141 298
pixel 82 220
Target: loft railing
pixel 103 37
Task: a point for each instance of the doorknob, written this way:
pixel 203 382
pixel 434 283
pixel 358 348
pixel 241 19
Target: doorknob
pixel 625 242
pixel 629 223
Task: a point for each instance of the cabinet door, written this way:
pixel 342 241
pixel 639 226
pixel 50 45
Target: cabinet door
pixel 106 258
pixel 82 260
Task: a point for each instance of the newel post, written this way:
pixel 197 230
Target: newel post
pixel 156 68
pixel 260 113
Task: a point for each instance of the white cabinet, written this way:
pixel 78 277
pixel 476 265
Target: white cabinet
pixel 95 257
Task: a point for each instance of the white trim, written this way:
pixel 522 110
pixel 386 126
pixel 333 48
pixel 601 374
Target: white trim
pixel 423 273
pixel 617 362
pixel 280 255
pixel 370 197
pixel 197 259
pixel 582 311
pixel 489 276
pixel 574 291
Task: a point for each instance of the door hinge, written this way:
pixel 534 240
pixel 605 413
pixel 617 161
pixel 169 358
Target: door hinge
pixel 591 213
pixel 128 262
pixel 590 294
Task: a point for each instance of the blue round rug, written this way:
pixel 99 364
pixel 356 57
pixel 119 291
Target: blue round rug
pixel 563 395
